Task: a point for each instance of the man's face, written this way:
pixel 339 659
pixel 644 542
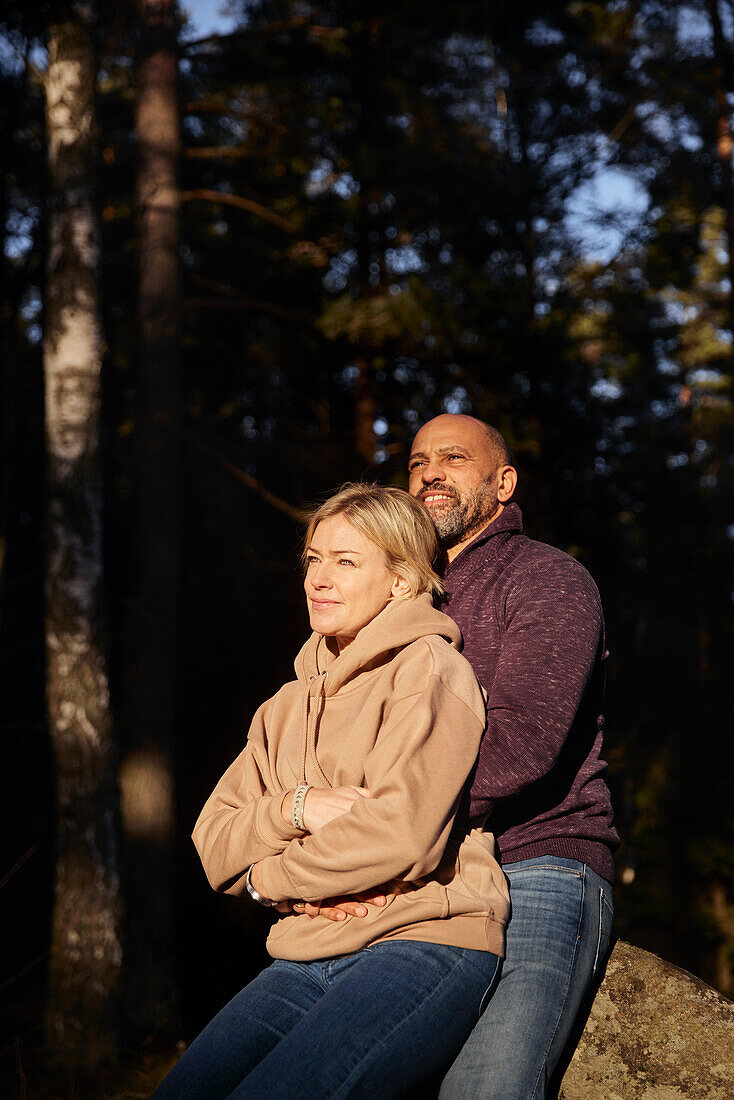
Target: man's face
pixel 453 472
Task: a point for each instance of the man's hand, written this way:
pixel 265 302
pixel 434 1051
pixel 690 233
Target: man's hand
pixel 323 805
pixel 337 909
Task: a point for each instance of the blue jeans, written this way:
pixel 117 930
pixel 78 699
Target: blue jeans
pixel 557 937
pixel 368 1024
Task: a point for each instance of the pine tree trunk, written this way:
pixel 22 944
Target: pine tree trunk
pixel 85 959
pixel 724 138
pixel 146 775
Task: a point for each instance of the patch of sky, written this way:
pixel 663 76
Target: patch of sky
pixel 324 178
pixel 693 28
pixel 457 401
pixel 573 72
pixel 319 179
pixel 667 366
pixel 573 151
pixel 206 17
pixel 248 427
pixel 606 211
pixel 12 55
pixel 345 185
pixel 703 376
pixel 12 58
pixel 237 128
pixel 19 229
pixel 405 260
pixel 606 389
pixel 336 277
pixel 540 34
pixel 193 125
pixel 31 305
pixel 671 128
pixel 662 409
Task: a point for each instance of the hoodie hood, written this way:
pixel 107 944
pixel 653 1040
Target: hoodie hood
pixel 403 621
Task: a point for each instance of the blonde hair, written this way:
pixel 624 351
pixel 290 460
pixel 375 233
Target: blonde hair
pixel 396 523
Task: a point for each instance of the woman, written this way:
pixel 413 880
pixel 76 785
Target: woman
pixel 352 777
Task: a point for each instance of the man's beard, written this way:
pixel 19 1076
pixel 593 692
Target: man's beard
pixel 469 512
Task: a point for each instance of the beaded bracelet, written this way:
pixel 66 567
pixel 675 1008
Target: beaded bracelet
pixel 299 799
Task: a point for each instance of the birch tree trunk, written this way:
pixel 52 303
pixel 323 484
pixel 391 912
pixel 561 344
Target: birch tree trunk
pixel 146 775
pixel 82 1012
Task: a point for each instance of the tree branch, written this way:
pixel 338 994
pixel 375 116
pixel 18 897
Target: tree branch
pixel 290 510
pixel 238 201
pixel 249 32
pixel 240 299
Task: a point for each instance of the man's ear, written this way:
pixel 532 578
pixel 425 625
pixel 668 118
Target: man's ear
pixel 400 587
pixel 507 483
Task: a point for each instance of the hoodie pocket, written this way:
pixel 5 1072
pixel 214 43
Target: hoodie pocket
pixel 428 893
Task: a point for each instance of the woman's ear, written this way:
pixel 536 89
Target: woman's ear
pixel 400 587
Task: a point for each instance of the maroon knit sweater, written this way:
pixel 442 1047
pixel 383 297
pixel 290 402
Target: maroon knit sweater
pixel 533 631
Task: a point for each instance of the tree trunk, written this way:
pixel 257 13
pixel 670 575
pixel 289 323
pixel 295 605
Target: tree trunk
pixel 85 957
pixel 724 139
pixel 146 775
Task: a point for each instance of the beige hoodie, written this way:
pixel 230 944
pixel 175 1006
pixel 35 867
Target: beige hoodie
pixel 400 712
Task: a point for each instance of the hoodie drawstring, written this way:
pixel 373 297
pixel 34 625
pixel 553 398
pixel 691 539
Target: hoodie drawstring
pixel 311 717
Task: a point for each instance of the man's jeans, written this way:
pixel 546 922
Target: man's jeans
pixel 557 937
pixel 367 1024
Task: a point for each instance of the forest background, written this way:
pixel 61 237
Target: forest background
pixel 240 269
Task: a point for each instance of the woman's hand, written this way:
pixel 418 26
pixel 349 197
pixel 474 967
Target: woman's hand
pixel 338 909
pixel 323 805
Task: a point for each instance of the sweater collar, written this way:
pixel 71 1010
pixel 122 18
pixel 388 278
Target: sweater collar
pixel 509 520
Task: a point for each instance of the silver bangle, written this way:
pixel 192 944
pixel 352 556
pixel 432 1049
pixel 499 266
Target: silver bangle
pixel 299 798
pixel 253 892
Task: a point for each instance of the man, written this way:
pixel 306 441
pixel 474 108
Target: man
pixel 533 631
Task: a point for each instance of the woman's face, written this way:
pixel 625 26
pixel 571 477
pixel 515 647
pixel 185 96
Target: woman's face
pixel 347 580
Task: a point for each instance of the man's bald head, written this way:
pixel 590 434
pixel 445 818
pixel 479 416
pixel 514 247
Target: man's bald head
pixel 470 426
pixel 497 442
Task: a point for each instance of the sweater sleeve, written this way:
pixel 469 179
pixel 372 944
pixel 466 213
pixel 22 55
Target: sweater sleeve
pixel 415 772
pixel 554 633
pixel 241 821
